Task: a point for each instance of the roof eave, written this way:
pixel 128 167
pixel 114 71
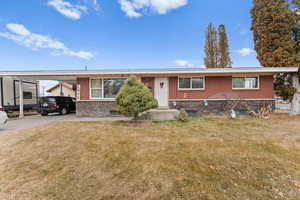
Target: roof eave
pixel 273 70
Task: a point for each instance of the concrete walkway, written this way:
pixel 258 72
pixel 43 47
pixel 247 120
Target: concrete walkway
pixel 31 121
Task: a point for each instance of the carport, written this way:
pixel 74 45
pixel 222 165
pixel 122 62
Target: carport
pixel 21 76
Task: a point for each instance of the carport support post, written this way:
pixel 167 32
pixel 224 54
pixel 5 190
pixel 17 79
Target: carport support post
pixel 21 114
pixel 295 109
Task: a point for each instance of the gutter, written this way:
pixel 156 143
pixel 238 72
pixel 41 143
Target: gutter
pixel 151 71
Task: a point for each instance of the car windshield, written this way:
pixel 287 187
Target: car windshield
pixel 49 99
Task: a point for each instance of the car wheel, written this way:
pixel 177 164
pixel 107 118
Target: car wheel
pixel 44 114
pixel 63 111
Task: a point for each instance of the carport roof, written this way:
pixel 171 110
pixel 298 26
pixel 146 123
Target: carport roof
pixel 72 74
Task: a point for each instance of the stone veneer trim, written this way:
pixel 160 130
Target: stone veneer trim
pixel 91 108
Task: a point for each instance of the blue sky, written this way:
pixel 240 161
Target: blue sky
pixel 71 34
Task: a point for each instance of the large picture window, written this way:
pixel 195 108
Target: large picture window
pixel 245 82
pixel 191 83
pixel 112 87
pixel 106 88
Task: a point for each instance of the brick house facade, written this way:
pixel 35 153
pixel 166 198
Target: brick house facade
pixel 217 93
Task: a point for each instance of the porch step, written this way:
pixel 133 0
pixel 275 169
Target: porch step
pixel 161 114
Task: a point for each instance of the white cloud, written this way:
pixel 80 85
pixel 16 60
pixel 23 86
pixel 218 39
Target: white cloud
pixel 245 51
pixel 96 5
pixel 22 36
pixel 73 11
pixel 132 8
pixel 18 29
pixel 80 54
pixel 67 9
pixel 129 8
pixel 183 63
pixel 91 3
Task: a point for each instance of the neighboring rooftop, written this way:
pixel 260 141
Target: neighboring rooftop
pixel 66 85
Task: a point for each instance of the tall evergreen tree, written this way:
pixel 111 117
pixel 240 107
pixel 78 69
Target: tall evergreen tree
pixel 296 29
pixel 211 46
pixel 275 29
pixel 223 48
pixel 272 24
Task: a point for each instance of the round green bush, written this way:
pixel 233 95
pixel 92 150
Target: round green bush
pixel 134 98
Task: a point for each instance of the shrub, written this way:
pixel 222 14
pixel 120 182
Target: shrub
pixel 264 112
pixel 134 98
pixel 183 116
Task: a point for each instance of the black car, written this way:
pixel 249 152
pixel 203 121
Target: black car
pixel 57 104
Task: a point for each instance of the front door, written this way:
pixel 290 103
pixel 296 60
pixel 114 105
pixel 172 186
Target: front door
pixel 161 92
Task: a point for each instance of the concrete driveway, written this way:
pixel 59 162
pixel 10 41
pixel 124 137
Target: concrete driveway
pixel 31 121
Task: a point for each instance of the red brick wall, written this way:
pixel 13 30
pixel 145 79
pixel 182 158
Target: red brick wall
pixel 221 88
pixel 215 88
pixel 149 82
pixel 84 88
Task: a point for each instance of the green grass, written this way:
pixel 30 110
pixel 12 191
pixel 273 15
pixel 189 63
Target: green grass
pixel 206 158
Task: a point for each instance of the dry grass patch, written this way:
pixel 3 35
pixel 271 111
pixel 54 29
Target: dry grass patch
pixel 206 158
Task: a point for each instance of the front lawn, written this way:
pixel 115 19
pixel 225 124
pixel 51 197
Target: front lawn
pixel 206 158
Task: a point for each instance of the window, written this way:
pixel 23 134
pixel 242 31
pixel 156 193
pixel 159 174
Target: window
pixel 27 95
pixel 105 88
pixel 96 90
pixel 245 83
pixel 112 87
pixel 191 83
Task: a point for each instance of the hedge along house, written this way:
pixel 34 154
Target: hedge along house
pixel 199 91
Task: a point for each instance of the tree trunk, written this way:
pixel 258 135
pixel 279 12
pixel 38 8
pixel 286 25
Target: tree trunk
pixel 295 109
pixel 135 117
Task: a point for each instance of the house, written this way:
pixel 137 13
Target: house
pixel 62 89
pixel 9 93
pixel 198 90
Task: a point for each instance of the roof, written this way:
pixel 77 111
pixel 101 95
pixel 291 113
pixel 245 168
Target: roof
pixel 57 85
pixel 153 71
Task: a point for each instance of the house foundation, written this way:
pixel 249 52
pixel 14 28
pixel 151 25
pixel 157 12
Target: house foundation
pixel 194 108
pixel 219 107
pixel 96 108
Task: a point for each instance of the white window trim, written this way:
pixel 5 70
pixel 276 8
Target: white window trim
pixel 90 87
pixel 102 80
pixel 258 84
pixel 191 77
